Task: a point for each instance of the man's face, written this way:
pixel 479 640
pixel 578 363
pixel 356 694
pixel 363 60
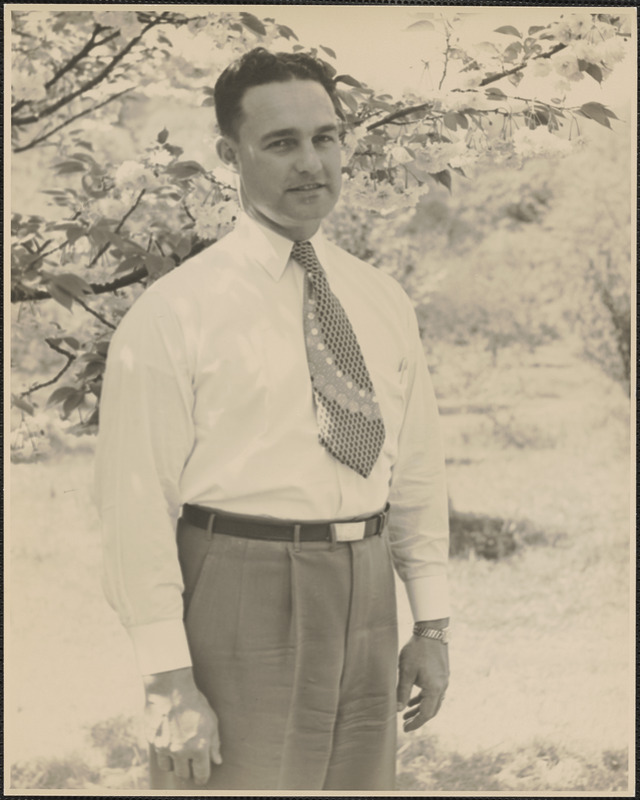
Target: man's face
pixel 287 155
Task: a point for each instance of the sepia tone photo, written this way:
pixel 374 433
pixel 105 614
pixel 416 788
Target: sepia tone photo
pixel 321 351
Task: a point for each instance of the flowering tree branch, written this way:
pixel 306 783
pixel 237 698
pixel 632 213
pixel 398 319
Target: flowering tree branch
pixel 48 134
pixel 66 99
pixel 70 359
pixel 405 112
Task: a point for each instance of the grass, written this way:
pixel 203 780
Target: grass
pixel 540 693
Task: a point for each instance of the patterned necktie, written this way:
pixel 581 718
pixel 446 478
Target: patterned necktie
pixel 351 427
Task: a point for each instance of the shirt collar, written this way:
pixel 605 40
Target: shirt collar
pixel 268 248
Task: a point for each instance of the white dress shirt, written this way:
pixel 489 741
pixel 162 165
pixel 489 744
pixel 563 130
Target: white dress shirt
pixel 207 399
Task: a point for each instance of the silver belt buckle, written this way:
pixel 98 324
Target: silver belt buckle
pixel 349 531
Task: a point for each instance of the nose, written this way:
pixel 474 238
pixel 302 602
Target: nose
pixel 308 159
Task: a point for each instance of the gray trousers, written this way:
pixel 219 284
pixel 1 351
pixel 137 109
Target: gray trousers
pixel 296 650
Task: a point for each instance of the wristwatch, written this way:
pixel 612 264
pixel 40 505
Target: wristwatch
pixel 441 634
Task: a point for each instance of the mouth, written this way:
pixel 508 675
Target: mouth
pixel 307 187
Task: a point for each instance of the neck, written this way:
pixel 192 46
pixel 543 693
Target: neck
pixel 297 233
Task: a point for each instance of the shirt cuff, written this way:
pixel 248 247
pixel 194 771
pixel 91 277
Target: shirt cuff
pixel 160 646
pixel 429 597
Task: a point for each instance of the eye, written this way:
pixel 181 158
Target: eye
pixel 281 144
pixel 325 138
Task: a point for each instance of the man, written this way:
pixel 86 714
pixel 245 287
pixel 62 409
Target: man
pixel 274 388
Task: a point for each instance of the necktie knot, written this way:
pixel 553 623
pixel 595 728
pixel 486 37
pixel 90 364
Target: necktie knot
pixel 305 255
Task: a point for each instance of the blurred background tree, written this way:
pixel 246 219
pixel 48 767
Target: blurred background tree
pixel 485 197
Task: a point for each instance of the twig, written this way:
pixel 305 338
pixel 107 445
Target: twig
pixel 70 359
pixel 63 101
pixel 106 246
pixel 97 315
pixel 446 59
pixel 88 47
pixel 62 125
pixel 20 293
pixel 404 112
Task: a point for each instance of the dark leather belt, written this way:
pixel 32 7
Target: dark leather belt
pixel 280 531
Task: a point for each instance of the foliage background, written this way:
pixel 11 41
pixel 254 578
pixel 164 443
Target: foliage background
pixel 514 241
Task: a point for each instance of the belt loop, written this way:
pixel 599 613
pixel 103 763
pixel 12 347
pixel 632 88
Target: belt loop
pixel 384 515
pixel 296 538
pixel 210 521
pixel 332 530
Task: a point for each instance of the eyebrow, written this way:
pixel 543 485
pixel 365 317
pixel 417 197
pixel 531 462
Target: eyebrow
pixel 283 132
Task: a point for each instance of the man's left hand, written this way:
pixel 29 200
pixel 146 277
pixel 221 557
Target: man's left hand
pixel 423 663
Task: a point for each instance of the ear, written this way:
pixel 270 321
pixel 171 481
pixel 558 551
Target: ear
pixel 226 150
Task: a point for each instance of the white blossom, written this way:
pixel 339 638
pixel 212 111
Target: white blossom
pixel 130 174
pixel 580 24
pixel 566 64
pixel 159 157
pixel 540 68
pixel 539 142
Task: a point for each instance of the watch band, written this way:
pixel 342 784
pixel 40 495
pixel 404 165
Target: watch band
pixel 441 634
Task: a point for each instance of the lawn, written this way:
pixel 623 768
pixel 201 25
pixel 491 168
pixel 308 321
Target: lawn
pixel 541 696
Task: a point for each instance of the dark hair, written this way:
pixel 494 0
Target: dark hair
pixel 258 67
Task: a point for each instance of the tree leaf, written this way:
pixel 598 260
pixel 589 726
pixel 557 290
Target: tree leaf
pixel 509 30
pixel 60 296
pixel 328 51
pixel 421 24
pixel 163 136
pixel 93 369
pixel 253 23
pixel 184 169
pixel 72 402
pixel 596 112
pixel 21 403
pixel 67 167
pixel 348 99
pixel 535 28
pixel 493 93
pixel 128 264
pixel 450 119
pixel 443 177
pixel 73 285
pixel 158 265
pixel 286 32
pixel 71 341
pixel 60 395
pixel 512 51
pixel 349 80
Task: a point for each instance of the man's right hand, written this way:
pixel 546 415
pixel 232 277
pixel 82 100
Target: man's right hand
pixel 181 725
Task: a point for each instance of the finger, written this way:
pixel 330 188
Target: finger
pixel 403 691
pixel 428 708
pixel 201 766
pixel 411 712
pixel 163 760
pixel 417 721
pixel 415 700
pixel 181 767
pixel 214 747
